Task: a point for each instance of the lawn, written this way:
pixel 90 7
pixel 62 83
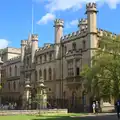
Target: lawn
pixel 47 117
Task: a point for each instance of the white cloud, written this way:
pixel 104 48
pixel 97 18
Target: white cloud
pixel 71 23
pixel 74 22
pixel 56 5
pixel 3 43
pixel 46 18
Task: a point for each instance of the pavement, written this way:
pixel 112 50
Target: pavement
pixel 102 116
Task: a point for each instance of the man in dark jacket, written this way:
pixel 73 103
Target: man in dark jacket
pixel 118 108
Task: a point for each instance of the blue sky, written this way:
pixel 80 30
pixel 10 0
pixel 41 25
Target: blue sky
pixel 16 18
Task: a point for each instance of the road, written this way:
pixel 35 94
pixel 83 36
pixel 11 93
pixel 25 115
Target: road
pixel 100 117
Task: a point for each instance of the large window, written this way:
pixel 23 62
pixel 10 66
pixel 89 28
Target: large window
pixel 50 73
pixel 78 65
pixel 40 74
pixel 84 44
pixel 10 70
pixel 15 70
pixel 45 74
pixel 70 68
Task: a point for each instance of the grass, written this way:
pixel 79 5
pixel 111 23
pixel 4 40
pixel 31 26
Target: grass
pixel 42 117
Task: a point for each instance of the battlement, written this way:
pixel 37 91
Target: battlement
pixel 91 7
pixel 83 21
pixel 58 22
pixel 24 42
pixel 75 34
pixel 102 32
pixel 46 47
pixel 35 37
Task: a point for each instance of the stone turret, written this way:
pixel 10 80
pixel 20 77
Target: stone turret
pixel 59 25
pixel 82 24
pixel 34 39
pixel 23 44
pixel 91 11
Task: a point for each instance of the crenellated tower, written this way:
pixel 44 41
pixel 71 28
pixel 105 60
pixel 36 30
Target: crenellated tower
pixel 59 25
pixel 91 11
pixel 34 39
pixel 82 24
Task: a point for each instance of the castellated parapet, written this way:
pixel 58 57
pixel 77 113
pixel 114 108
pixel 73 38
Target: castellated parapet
pixel 79 33
pixel 58 22
pixel 45 48
pixel 82 22
pixel 91 7
pixel 24 42
pixel 102 32
pixel 34 37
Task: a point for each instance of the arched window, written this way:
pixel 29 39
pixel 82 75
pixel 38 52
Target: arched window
pixel 15 70
pixel 45 74
pixel 40 74
pixel 10 71
pixel 14 85
pixel 50 73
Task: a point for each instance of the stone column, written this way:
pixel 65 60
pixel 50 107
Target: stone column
pixel 27 95
pixel 41 94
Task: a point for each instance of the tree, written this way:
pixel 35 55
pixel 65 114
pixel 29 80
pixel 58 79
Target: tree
pixel 103 78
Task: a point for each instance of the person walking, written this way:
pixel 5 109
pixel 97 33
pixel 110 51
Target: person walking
pixel 94 106
pixel 118 108
pixel 97 107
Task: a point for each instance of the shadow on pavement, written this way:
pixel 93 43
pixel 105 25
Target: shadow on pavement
pixel 97 117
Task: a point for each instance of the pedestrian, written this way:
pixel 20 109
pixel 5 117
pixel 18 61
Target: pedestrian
pixel 118 108
pixel 97 107
pixel 93 106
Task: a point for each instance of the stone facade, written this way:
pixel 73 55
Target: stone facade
pixel 59 64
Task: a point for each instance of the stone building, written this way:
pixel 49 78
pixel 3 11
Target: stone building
pixel 59 64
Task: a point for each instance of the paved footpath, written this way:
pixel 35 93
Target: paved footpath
pixel 105 116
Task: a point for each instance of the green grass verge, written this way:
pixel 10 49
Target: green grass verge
pixel 42 117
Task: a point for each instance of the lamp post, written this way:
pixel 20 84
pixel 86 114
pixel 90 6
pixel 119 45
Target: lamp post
pixel 1 63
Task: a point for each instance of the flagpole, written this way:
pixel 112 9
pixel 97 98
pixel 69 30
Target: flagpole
pixel 32 17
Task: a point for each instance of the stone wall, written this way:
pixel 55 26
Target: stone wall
pixel 33 112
